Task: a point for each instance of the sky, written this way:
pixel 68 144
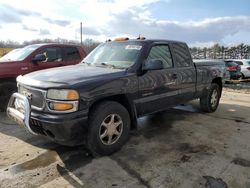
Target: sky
pixel 197 22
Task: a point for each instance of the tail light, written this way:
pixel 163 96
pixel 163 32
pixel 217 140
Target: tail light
pixel 232 68
pixel 248 68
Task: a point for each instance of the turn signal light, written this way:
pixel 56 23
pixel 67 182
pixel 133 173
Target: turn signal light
pixel 60 106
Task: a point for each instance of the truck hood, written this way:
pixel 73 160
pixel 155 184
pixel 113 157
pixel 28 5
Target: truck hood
pixel 67 76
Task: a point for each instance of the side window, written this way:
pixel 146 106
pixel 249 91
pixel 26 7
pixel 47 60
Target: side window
pixel 162 53
pixel 71 53
pixel 52 54
pixel 182 55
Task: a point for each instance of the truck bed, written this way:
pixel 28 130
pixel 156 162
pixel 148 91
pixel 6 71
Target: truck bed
pixel 208 62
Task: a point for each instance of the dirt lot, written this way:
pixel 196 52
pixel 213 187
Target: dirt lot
pixel 181 147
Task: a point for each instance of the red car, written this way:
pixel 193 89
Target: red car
pixel 234 69
pixel 32 58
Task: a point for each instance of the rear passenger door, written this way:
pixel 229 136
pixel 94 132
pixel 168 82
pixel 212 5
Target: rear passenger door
pixel 71 55
pixel 185 70
pixel 158 89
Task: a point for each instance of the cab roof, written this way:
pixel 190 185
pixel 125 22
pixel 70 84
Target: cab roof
pixel 126 39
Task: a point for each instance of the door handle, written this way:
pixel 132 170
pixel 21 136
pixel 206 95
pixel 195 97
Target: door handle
pixel 174 76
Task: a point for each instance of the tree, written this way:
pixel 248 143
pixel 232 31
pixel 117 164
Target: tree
pixel 89 45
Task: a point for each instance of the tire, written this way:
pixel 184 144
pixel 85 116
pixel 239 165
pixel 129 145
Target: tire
pixel 6 90
pixel 210 100
pixel 104 136
pixel 242 76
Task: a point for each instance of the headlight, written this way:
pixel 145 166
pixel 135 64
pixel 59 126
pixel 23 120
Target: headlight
pixel 62 101
pixel 64 94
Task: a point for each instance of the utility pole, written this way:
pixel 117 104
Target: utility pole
pixel 81 32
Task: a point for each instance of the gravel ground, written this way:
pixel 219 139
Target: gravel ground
pixel 181 147
pixel 238 86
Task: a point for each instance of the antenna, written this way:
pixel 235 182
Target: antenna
pixel 81 32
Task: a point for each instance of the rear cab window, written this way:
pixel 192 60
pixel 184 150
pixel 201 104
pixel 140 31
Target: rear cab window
pixel 182 55
pixel 71 54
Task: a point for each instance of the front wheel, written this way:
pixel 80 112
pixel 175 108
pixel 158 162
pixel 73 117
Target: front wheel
pixel 210 100
pixel 109 127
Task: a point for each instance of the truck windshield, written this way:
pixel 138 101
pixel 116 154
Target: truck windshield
pixel 19 54
pixel 120 55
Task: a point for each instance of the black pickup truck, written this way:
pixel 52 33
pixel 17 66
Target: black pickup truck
pixel 98 101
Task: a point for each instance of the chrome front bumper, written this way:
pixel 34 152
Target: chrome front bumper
pixel 20 117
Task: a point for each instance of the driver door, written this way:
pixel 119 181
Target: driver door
pixel 158 89
pixel 53 59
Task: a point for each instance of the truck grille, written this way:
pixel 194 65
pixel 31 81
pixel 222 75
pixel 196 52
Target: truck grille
pixel 35 96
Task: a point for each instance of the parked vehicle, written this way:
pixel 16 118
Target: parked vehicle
pixel 234 69
pixel 98 101
pixel 245 67
pixel 32 58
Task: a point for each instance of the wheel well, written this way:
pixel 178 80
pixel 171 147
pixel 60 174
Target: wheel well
pixel 219 82
pixel 123 100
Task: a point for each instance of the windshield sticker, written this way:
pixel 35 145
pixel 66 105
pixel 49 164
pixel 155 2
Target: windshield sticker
pixel 133 47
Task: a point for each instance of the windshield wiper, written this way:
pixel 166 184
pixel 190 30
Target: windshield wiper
pixel 85 63
pixel 103 64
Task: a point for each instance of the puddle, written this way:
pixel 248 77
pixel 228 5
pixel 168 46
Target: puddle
pixel 186 107
pixel 185 158
pixel 241 162
pixel 79 159
pixel 186 147
pixel 72 157
pixel 153 125
pixel 214 182
pixel 40 161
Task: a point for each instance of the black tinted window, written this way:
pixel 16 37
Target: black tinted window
pixel 182 55
pixel 52 54
pixel 162 53
pixel 239 62
pixel 71 53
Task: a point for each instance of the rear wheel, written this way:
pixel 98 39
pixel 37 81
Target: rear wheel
pixel 210 100
pixel 242 76
pixel 109 128
pixel 6 90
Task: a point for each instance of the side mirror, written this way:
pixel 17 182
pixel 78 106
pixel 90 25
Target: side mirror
pixel 39 57
pixel 153 64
